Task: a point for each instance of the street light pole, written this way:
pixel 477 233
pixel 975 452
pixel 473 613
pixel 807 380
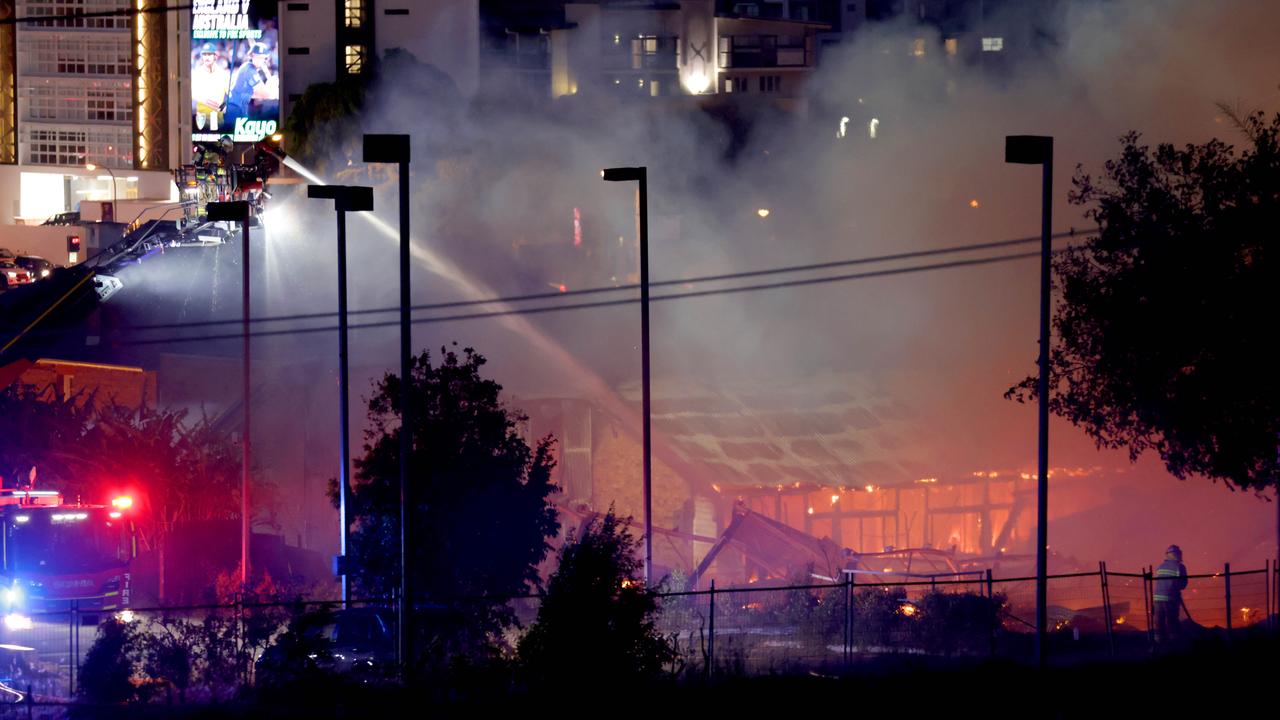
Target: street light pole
pixel 91 167
pixel 640 175
pixel 238 211
pixel 1038 150
pixel 346 199
pixel 383 148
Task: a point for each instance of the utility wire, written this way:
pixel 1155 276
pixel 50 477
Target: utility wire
pixel 619 288
pixel 602 303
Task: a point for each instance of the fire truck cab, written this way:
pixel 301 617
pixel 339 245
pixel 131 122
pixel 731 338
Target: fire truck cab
pixel 55 554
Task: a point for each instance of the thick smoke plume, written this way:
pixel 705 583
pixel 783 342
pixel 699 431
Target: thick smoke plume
pixel 497 185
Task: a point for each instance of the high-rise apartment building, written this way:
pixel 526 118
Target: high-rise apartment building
pixel 87 82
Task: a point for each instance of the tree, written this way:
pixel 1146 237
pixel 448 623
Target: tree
pixel 106 675
pixel 40 431
pixel 480 510
pixel 184 470
pixel 597 616
pixel 1165 322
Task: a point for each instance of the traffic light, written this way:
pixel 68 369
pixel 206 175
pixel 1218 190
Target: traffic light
pixel 73 243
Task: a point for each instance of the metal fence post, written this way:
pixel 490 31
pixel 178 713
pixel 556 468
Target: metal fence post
pixel 1146 606
pixel 995 611
pixel 1275 592
pixel 1107 615
pixel 71 648
pixel 1226 575
pixel 1273 598
pixel 711 630
pixel 848 619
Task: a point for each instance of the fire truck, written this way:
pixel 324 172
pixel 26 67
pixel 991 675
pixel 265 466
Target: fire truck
pixel 56 553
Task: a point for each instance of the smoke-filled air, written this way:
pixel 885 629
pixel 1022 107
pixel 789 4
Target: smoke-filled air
pixel 898 372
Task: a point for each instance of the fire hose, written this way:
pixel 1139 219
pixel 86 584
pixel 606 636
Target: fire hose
pixel 1183 603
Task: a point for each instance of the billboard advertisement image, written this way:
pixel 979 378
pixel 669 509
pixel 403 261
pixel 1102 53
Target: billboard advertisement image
pixel 235 70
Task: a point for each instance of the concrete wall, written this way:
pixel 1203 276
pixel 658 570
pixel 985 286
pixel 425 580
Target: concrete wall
pixel 313 29
pixel 46 241
pixel 130 387
pixel 442 33
pixel 153 186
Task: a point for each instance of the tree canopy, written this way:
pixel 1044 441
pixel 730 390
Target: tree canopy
pixel 1163 332
pixel 182 470
pixel 480 498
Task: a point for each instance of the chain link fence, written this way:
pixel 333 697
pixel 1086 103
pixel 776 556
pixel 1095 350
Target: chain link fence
pixel 207 653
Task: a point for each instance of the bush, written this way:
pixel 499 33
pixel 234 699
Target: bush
pixel 596 622
pixel 957 623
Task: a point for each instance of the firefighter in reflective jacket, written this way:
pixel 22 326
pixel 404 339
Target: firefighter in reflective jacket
pixel 1171 579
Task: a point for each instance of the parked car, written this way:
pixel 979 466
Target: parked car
pixel 357 642
pixel 37 266
pixel 66 218
pixel 11 275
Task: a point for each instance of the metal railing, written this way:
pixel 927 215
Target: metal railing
pixel 824 627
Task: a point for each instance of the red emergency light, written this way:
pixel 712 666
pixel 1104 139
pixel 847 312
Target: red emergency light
pixel 124 502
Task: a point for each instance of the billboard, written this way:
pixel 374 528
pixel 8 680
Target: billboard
pixel 235 70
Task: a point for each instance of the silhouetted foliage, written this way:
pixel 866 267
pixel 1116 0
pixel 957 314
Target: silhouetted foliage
pixel 481 514
pixel 1166 314
pixel 106 675
pixel 596 621
pixel 184 469
pixel 42 431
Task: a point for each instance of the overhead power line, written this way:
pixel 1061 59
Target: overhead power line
pixel 785 270
pixel 560 307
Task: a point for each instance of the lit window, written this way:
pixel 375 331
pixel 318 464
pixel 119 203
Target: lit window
pixel 917 47
pixel 992 44
pixel 354 59
pixel 644 51
pixel 353 13
pixel 952 46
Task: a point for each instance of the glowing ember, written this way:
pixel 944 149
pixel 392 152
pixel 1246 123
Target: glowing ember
pixel 870 488
pixel 835 499
pixel 974 203
pixel 908 609
pixel 810 510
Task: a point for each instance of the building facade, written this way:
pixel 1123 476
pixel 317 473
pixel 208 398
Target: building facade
pixel 324 40
pixel 87 83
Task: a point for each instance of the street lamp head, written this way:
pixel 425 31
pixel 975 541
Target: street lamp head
pixel 1028 149
pixel 346 198
pixel 622 174
pixel 386 148
pixel 323 192
pixel 235 211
